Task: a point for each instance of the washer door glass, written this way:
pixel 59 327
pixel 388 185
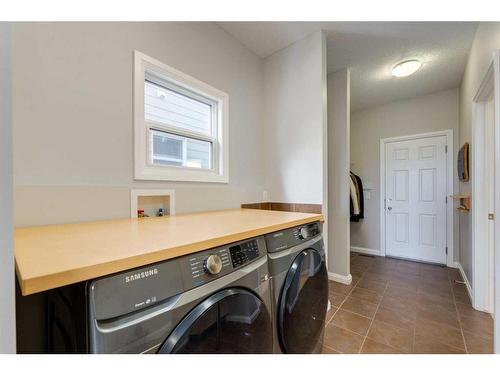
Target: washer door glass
pixel 230 321
pixel 303 303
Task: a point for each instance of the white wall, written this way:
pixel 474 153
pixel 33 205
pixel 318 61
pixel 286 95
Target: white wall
pixel 438 111
pixel 338 175
pixel 7 301
pixel 486 40
pixel 294 119
pixel 72 116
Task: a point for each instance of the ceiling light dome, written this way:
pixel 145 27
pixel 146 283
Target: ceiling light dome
pixel 406 68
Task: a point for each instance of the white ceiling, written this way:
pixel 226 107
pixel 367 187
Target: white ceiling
pixel 371 49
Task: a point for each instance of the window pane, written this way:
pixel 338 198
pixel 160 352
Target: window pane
pixel 172 149
pixel 198 153
pixel 175 109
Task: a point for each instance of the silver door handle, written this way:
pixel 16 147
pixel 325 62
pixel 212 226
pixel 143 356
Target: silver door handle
pixel 389 208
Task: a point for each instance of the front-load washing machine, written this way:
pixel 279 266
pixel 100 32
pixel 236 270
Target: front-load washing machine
pixel 299 285
pixel 214 301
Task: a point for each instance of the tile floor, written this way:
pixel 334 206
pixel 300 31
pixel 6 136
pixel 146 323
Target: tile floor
pixel 397 306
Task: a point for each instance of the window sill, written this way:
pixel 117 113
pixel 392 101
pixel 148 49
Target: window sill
pixel 180 174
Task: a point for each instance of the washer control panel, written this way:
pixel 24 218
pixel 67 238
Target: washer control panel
pixel 244 252
pixel 307 231
pixel 282 240
pixel 204 264
pixel 208 265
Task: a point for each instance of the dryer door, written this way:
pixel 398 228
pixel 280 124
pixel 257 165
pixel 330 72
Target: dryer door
pixel 230 321
pixel 303 303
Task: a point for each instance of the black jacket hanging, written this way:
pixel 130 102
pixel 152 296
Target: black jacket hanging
pixel 359 197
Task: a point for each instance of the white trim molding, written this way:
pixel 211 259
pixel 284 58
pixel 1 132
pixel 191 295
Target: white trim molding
pixel 450 215
pixel 364 250
pixel 465 279
pixel 340 278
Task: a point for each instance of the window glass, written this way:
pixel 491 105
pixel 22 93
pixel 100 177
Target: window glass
pixel 172 149
pixel 169 107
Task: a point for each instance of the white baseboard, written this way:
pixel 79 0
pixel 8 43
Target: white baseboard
pixel 464 277
pixel 340 278
pixel 364 250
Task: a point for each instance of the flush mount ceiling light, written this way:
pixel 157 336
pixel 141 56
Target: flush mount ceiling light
pixel 406 68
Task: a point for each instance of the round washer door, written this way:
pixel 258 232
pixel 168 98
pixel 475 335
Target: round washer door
pixel 303 303
pixel 230 321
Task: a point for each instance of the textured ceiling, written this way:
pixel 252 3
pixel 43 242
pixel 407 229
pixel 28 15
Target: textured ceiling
pixel 371 49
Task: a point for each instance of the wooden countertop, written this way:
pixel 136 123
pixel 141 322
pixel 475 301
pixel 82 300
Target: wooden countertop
pixel 51 256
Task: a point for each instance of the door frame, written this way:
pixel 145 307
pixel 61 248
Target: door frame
pixel 489 84
pixel 450 262
pixel 481 261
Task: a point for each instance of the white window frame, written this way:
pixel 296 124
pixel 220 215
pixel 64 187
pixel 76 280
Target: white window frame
pixel 144 169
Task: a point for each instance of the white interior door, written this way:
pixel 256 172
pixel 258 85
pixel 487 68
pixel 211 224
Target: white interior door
pixel 415 193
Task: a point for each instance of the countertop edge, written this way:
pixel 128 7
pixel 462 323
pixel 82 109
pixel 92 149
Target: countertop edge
pixel 34 285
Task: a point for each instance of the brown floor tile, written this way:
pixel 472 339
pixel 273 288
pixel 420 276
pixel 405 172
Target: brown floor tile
pixel 361 261
pixel 403 279
pixel 477 344
pixel 409 268
pixel 392 263
pixel 351 321
pixel 360 306
pixel 460 289
pixel 441 332
pixel 336 299
pixel 355 280
pixel 462 298
pixel 442 288
pixel 375 286
pixel 466 310
pixel 366 295
pixel 430 300
pixel 374 347
pixel 434 277
pixel 438 314
pixel 427 345
pixel 395 317
pixel 373 276
pixel 381 270
pixel 433 285
pixel 404 305
pixel 330 313
pixel 396 337
pixel 342 340
pixel 427 267
pixel 327 350
pixel 357 271
pixel 454 274
pixel 339 288
pixel 400 291
pixel 480 326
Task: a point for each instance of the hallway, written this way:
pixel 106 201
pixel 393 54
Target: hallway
pixel 397 306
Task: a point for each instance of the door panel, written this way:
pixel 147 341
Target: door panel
pixel 303 303
pixel 230 321
pixel 416 189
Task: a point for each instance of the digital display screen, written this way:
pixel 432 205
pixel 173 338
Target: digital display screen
pixel 242 253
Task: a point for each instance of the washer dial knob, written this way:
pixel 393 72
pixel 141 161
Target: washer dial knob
pixel 304 233
pixel 213 264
